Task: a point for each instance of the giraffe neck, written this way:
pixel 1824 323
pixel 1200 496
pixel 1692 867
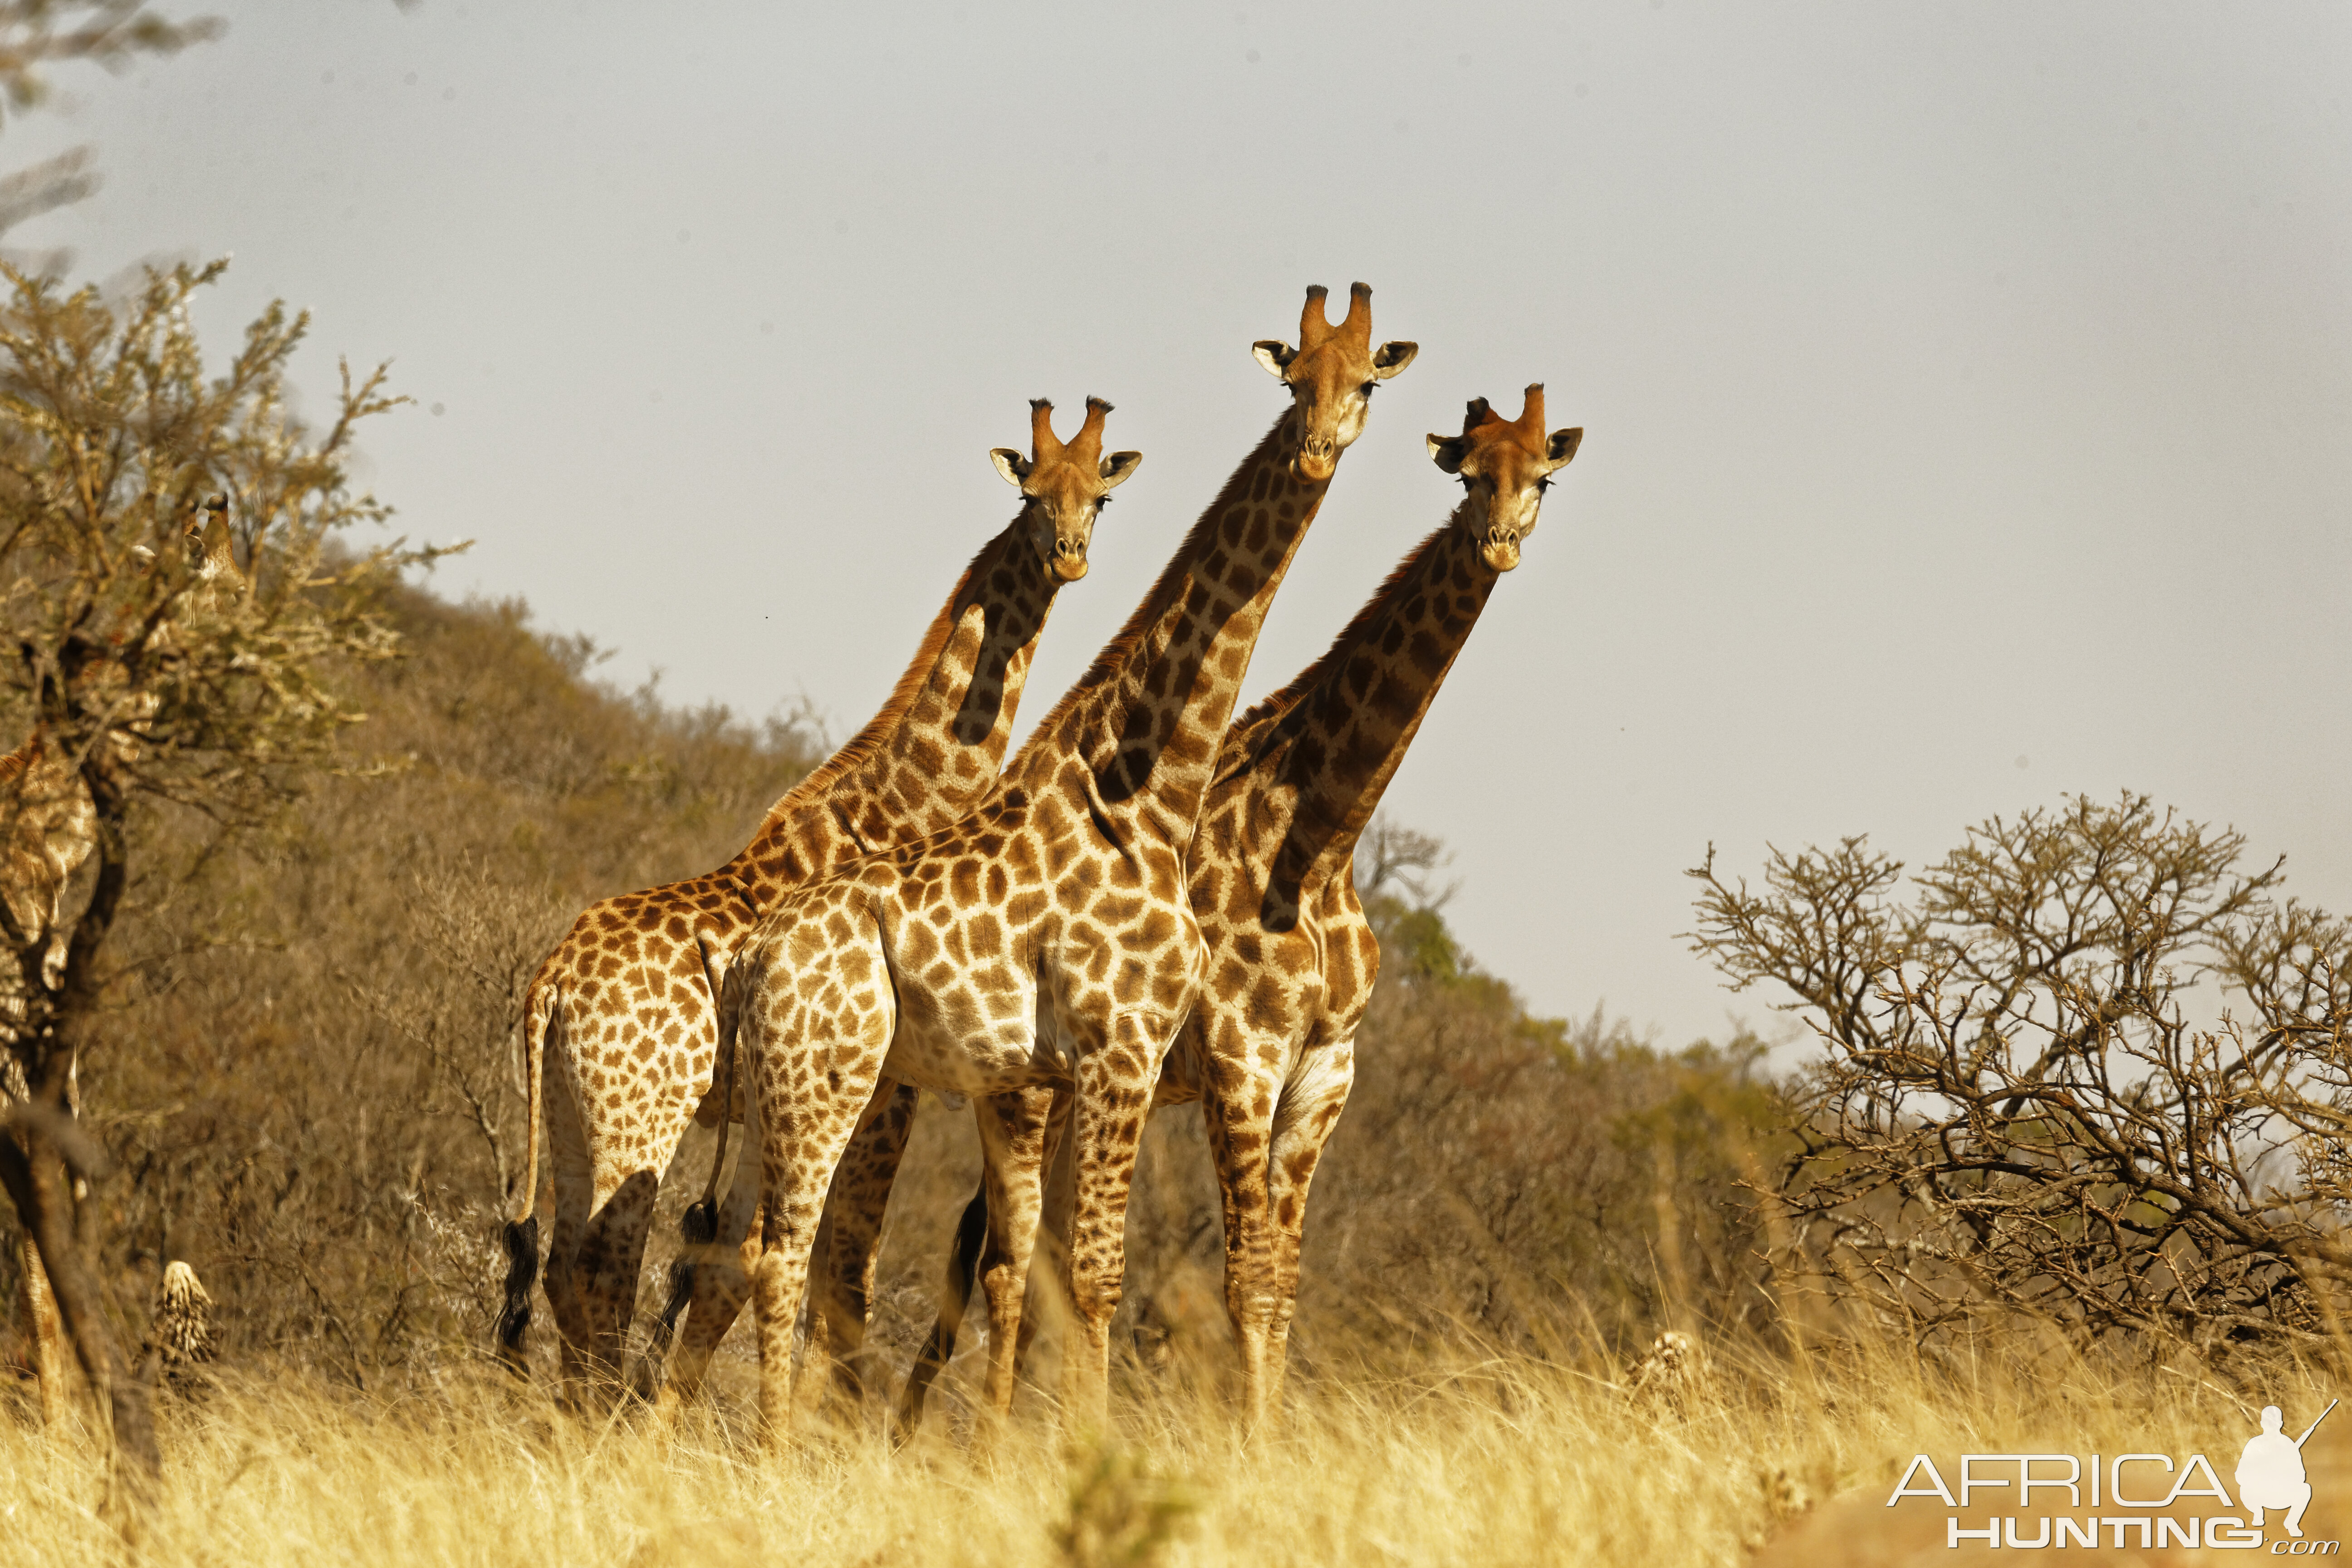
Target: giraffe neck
pixel 1145 720
pixel 1318 755
pixel 934 750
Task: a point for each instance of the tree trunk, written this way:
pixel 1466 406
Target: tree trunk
pixel 56 1027
pixel 37 1185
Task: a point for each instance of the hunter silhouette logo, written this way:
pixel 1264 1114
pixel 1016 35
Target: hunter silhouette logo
pixel 2145 1492
pixel 2270 1471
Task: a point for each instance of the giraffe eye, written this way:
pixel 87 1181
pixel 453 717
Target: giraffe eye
pixel 1542 485
pixel 1101 501
pixel 1370 387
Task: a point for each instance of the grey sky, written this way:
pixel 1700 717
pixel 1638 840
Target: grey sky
pixel 1968 389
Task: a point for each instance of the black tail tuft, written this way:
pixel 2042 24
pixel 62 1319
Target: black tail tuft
pixel 681 1292
pixel 698 1229
pixel 521 1239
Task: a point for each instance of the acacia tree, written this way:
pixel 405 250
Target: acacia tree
pixel 2092 1068
pixel 156 674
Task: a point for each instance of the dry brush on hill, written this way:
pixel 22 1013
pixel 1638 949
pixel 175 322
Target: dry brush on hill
pixel 307 1071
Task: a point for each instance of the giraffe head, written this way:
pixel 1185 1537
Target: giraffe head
pixel 1506 464
pixel 1331 375
pixel 212 546
pixel 1063 488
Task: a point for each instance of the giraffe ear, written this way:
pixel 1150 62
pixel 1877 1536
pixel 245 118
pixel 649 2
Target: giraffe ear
pixel 1563 446
pixel 1448 451
pixel 1274 353
pixel 1117 467
pixel 1010 463
pixel 1392 358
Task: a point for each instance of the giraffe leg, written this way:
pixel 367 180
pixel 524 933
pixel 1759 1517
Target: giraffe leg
pixel 1113 1096
pixel 573 1177
pixel 1013 1143
pixel 722 1280
pixel 793 1181
pixel 820 1362
pixel 611 1253
pixel 623 1181
pixel 849 1244
pixel 1045 1311
pixel 813 1077
pixel 1238 1102
pixel 1309 1111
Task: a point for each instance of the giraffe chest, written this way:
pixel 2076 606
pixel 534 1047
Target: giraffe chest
pixel 1268 1000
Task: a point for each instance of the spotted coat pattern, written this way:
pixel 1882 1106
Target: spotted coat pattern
pixel 1046 941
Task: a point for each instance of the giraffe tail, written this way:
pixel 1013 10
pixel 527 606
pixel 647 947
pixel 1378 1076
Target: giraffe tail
pixel 964 1272
pixel 702 1223
pixel 521 1232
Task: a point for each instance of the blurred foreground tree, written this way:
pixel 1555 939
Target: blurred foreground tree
pixel 38 34
pixel 174 611
pixel 2017 1108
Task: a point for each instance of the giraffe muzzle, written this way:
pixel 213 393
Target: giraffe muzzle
pixel 1501 550
pixel 1069 560
pixel 1317 459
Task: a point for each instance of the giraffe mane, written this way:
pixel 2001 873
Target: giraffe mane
pixel 1114 655
pixel 867 742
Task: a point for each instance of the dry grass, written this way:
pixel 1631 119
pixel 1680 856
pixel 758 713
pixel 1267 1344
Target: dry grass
pixel 309 1090
pixel 1494 1461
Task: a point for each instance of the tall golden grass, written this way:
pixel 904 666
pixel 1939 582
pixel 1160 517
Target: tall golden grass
pixel 1471 1458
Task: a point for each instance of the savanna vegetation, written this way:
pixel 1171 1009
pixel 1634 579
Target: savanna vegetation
pixel 2063 1168
pixel 2072 1121
pixel 305 1065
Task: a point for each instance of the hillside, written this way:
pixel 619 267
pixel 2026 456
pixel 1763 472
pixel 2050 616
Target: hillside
pixel 309 1075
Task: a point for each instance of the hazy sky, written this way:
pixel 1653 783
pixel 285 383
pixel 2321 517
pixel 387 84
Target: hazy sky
pixel 1968 388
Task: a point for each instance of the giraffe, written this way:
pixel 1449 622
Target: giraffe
pixel 1268 1049
pixel 619 1023
pixel 49 830
pixel 1045 939
pixel 211 543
